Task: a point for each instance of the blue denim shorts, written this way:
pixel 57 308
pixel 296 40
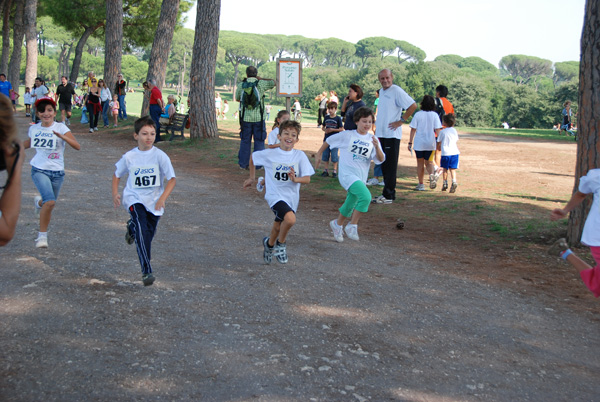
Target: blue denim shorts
pixel 48 182
pixel 330 152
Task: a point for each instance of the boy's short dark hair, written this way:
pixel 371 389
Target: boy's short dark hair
pixel 363 112
pixel 251 71
pixel 442 90
pixel 143 122
pixel 290 124
pixel 449 120
pixel 428 103
pixel 331 105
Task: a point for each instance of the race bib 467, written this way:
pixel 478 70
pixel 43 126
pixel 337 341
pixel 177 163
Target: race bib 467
pixel 145 176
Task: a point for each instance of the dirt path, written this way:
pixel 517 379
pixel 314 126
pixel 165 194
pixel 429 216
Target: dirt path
pixel 372 320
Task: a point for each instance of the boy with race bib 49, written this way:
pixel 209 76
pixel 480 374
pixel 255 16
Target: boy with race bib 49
pixel 145 192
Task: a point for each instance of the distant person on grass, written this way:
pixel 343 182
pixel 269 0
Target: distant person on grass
pixel 157 106
pixel 286 169
pixel 145 193
pixel 392 100
pixel 424 128
pixel 250 93
pixel 588 184
pixel 357 149
pixel 65 96
pixel 352 102
pixel 447 148
pixel 273 138
pixel 332 124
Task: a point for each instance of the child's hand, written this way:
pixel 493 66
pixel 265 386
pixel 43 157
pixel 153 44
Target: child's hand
pixel 248 183
pixel 557 214
pixel 292 175
pixel 160 204
pixel 117 200
pixel 375 142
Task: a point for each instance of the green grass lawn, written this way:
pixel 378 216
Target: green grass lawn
pixel 530 133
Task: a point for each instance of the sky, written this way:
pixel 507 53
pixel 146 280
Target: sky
pixel 490 29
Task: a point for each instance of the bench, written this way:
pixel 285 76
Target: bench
pixel 178 122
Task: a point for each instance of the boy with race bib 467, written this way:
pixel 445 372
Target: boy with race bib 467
pixel 145 192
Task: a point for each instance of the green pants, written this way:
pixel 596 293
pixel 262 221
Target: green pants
pixel 359 198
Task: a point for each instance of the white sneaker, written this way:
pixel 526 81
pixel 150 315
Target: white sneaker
pixel 91 130
pixel 381 183
pixel 372 182
pixel 352 231
pixel 95 128
pixel 260 185
pixel 381 200
pixel 41 242
pixel 420 187
pixel 68 122
pixel 338 233
pixel 36 201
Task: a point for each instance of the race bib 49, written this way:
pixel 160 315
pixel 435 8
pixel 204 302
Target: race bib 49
pixel 281 171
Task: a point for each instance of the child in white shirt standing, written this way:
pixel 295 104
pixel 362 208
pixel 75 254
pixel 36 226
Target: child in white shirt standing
pixel 286 169
pixel 446 143
pixel 145 193
pixel 588 184
pixel 357 149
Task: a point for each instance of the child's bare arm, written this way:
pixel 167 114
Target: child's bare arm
pixel 69 139
pixel 301 180
pixel 321 150
pixel 160 204
pixel 575 200
pixel 115 192
pixel 250 181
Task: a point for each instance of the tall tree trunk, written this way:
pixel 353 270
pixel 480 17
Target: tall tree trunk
pixel 61 60
pixel 29 20
pixel 70 45
pixel 113 49
pixel 79 51
pixel 202 74
pixel 159 55
pixel 588 117
pixel 5 36
pixel 14 67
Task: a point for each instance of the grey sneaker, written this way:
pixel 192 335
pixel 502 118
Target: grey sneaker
pixel 420 187
pixel 381 200
pixel 433 181
pixel 129 234
pixel 559 247
pixel 445 186
pixel 148 279
pixel 338 233
pixel 372 182
pixel 280 252
pixel 453 187
pixel 268 253
pixel 351 231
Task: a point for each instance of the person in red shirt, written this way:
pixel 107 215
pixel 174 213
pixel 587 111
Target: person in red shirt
pixel 157 106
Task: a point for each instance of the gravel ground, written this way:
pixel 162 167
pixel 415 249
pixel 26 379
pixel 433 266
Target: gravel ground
pixel 357 321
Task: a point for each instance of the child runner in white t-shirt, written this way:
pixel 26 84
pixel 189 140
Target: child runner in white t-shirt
pixel 285 169
pixel 424 127
pixel 588 184
pixel 446 143
pixel 272 139
pixel 357 149
pixel 145 193
pixel 48 137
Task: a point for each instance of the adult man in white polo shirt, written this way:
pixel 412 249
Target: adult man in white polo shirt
pixel 392 100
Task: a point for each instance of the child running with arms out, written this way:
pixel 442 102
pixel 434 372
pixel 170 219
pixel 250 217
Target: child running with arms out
pixel 357 149
pixel 588 184
pixel 286 169
pixel 48 137
pixel 145 192
pixel 332 124
pixel 446 144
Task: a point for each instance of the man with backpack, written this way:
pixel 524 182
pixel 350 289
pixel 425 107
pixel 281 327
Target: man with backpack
pixel 250 93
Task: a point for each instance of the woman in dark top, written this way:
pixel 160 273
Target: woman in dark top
pixel 93 104
pixel 351 104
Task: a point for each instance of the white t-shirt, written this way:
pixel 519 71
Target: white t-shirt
pixel 448 137
pixel 105 95
pixel 391 103
pixel 297 106
pixel 147 172
pixel 426 123
pixel 277 163
pixel 589 184
pixel 27 98
pixel 356 153
pixel 49 149
pixel 272 139
pixel 39 93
